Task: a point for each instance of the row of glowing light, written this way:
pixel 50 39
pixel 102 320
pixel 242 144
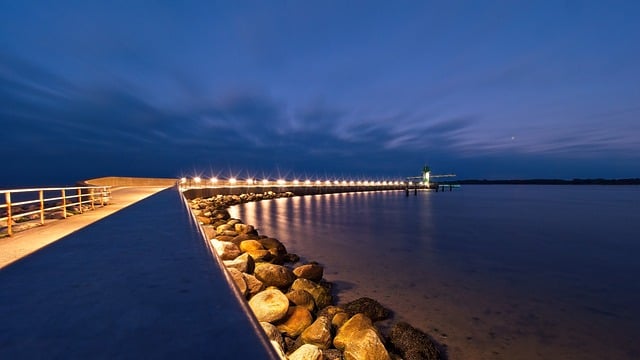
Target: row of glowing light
pixel 282 182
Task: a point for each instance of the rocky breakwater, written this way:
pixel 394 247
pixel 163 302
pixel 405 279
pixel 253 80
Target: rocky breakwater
pixel 292 301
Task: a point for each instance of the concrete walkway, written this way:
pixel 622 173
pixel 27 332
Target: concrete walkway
pixel 28 241
pixel 141 283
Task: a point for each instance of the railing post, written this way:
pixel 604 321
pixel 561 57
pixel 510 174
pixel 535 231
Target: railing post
pixel 80 200
pixel 41 207
pixel 7 197
pixel 64 204
pixel 102 197
pixel 93 199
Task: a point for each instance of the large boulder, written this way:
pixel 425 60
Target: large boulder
pixel 318 333
pixel 225 250
pixel 359 339
pixel 367 346
pixel 321 296
pixel 243 263
pixel 306 352
pixel 248 245
pixel 311 272
pixel 274 275
pixel 269 305
pixel 298 319
pixel 369 307
pixel 302 298
pixel 412 343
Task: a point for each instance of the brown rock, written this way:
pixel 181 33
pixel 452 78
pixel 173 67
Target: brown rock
pixel 225 250
pixel 369 307
pixel 242 237
pixel 222 228
pixel 204 220
pixel 311 272
pixel 269 305
pixel 318 333
pixel 274 275
pixel 301 298
pixel 243 263
pixel 306 352
pixel 260 255
pixel 359 339
pixel 220 215
pixel 412 343
pixel 320 295
pixel 366 346
pixel 339 319
pixel 298 319
pixel 249 245
pixel 209 231
pixel 272 243
pixel 238 280
pixel 254 285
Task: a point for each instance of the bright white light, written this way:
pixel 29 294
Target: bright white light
pixel 328 182
pixel 265 181
pixel 318 182
pixel 384 183
pixel 296 182
pixel 410 182
pixel 232 181
pixel 359 182
pixel 336 182
pixel 183 180
pixel 281 182
pixel 344 182
pixel 197 179
pixel 213 180
pixel 307 182
pixel 352 182
pixel 249 181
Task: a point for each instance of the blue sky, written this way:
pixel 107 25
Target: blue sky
pixel 503 89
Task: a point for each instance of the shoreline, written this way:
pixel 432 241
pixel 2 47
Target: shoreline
pixel 387 337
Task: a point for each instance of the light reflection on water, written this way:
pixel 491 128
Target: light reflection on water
pixel 501 272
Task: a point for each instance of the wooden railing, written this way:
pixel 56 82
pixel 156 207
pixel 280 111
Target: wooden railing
pixel 34 204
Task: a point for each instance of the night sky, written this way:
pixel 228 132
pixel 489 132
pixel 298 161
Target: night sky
pixel 485 89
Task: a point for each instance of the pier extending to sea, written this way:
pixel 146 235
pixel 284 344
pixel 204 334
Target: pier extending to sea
pixel 135 278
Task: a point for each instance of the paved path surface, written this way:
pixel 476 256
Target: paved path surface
pixel 28 241
pixel 139 284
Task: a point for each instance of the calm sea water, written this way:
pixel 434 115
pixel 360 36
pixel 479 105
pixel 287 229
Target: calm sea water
pixel 493 272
